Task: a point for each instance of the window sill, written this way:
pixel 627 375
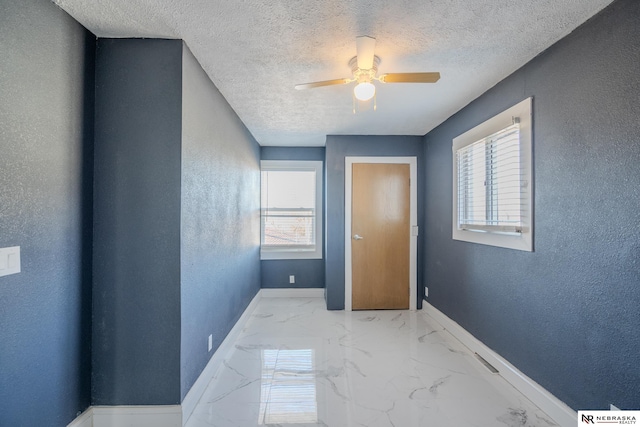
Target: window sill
pixel 519 241
pixel 272 254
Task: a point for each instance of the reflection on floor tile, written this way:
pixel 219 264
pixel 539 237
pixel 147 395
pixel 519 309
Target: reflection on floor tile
pixel 297 364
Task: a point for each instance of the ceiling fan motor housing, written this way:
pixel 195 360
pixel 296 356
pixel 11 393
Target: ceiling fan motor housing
pixel 364 75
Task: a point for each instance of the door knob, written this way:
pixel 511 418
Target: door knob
pixel 356 237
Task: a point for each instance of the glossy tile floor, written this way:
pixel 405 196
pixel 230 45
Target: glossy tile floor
pixel 297 364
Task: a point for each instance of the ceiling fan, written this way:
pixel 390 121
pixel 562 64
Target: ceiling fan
pixel 364 67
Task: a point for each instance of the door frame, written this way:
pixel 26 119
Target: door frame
pixel 413 220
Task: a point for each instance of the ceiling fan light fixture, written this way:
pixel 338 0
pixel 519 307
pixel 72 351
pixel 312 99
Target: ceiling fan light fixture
pixel 364 68
pixel 364 91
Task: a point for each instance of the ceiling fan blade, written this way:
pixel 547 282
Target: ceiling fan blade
pixel 323 83
pixel 365 50
pixel 410 77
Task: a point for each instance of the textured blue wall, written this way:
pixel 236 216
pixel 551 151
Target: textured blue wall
pixel 46 132
pixel 292 153
pixel 567 314
pixel 309 272
pixel 136 294
pixel 337 148
pixel 220 239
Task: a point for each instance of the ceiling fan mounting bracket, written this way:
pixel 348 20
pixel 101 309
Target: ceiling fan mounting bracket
pixel 364 75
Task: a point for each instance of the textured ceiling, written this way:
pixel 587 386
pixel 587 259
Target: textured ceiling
pixel 256 51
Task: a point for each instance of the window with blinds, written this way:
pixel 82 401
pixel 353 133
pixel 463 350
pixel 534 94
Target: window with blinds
pixel 492 181
pixel 291 209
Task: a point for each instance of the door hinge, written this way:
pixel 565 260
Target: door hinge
pixel 414 230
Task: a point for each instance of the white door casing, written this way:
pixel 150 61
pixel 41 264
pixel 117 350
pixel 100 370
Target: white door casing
pixel 413 240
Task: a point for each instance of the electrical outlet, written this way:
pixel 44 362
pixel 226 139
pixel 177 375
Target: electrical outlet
pixel 292 279
pixel 9 260
pixel 210 342
pixel 426 291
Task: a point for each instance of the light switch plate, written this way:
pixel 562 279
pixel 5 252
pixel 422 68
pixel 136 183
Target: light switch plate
pixel 9 260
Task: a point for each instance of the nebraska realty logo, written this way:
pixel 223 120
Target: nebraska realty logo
pixel 628 418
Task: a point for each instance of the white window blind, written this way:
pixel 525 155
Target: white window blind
pixel 490 183
pixel 291 209
pixel 288 208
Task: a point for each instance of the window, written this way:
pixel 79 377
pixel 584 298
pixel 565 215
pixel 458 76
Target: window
pixel 291 209
pixel 492 191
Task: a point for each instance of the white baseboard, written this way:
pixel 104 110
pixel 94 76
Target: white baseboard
pixel 177 415
pixel 551 405
pixel 137 416
pixel 292 293
pixel 83 420
pixel 130 416
pixel 166 415
pixel 198 388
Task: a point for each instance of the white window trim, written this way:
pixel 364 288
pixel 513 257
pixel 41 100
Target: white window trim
pixel 522 241
pixel 283 253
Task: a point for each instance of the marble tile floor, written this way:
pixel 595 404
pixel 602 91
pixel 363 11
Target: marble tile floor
pixel 297 364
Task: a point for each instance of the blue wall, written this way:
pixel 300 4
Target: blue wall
pixel 309 273
pixel 292 153
pixel 136 286
pixel 174 239
pixel 567 314
pixel 46 142
pixel 337 148
pixel 220 239
pixel 177 193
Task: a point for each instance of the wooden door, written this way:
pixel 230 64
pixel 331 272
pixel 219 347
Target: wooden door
pixel 380 228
